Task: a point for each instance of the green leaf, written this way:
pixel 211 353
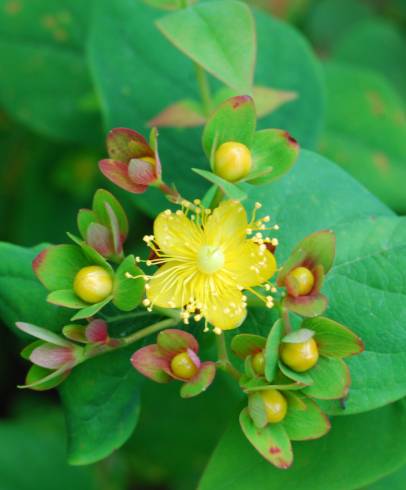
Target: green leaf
pixel 302 378
pixel 307 422
pixel 245 344
pixel 128 292
pixel 42 51
pixel 85 218
pixel 91 310
pixel 66 298
pixel 335 462
pixel 36 373
pixel 272 350
pixel 333 339
pixel 256 410
pixel 21 292
pixel 57 266
pixel 393 481
pixel 103 198
pixel 331 379
pixel 273 151
pixel 271 442
pixel 233 120
pixel 218 36
pixel 141 79
pixel 232 191
pixel 101 403
pixel 366 131
pixel 29 437
pixel 376 44
pixel 167 4
pixel 298 336
pixel 43 334
pixel 186 113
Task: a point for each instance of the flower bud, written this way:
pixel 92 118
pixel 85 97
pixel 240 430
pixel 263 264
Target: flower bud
pixel 275 405
pixel 232 161
pixel 258 363
pixel 304 280
pixel 93 284
pixel 300 356
pixel 183 366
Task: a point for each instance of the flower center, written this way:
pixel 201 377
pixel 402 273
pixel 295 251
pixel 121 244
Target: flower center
pixel 210 259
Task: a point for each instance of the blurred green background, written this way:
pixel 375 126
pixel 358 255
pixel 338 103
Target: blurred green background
pixel 53 119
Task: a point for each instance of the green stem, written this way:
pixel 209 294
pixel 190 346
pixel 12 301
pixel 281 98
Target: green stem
pixel 144 332
pixel 224 362
pixel 204 88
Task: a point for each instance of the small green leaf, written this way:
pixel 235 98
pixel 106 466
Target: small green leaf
pixel 331 379
pixel 128 292
pixel 43 334
pixel 302 378
pixel 256 410
pixel 37 373
pixel 305 423
pixel 230 190
pixel 93 257
pixel 272 442
pixel 307 306
pixel 274 152
pixel 200 382
pixel 333 339
pixel 85 218
pixel 272 350
pixel 66 298
pixel 75 332
pixel 218 36
pixel 233 120
pixel 91 310
pixel 298 336
pixel 57 266
pixel 245 344
pixel 185 113
pixel 100 199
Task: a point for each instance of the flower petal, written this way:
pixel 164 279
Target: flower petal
pixel 170 285
pixel 117 172
pixel 52 356
pixel 99 237
pixel 200 382
pixel 227 226
pixel 173 341
pixel 97 331
pixel 224 309
pixel 250 265
pixel 176 235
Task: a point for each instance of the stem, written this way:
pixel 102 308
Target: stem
pixel 286 320
pixel 224 362
pixel 140 334
pixel 204 88
pixel 172 194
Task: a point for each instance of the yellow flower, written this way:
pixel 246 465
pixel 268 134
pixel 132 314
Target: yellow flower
pixel 206 261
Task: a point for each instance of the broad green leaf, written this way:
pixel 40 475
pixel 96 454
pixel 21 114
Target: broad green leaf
pixel 233 120
pixel 29 438
pixel 219 36
pixel 272 441
pixel 331 379
pixel 21 292
pixel 333 339
pixel 42 52
pixel 360 291
pixel 142 79
pixel 128 291
pixel 232 191
pixel 377 44
pixel 336 461
pixel 330 20
pixel 393 481
pixel 366 131
pixel 101 403
pixel 305 422
pixel 167 4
